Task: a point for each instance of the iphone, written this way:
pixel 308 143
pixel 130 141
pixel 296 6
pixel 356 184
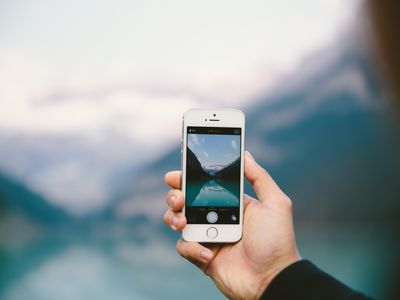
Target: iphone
pixel 212 174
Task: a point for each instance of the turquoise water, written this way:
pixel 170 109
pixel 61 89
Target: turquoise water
pixel 109 261
pixel 213 193
pixel 106 261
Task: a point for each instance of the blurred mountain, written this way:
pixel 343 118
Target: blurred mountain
pixel 325 134
pixel 17 198
pixel 73 170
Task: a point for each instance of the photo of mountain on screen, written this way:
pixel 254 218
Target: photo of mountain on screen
pixel 213 171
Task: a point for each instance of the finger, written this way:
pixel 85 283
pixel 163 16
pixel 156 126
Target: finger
pixel 173 179
pixel 263 184
pixel 196 253
pixel 175 200
pixel 175 220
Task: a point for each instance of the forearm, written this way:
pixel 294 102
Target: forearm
pixel 303 280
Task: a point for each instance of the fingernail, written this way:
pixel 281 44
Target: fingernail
pixel 249 155
pixel 206 254
pixel 172 200
pixel 174 221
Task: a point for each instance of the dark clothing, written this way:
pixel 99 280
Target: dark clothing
pixel 303 280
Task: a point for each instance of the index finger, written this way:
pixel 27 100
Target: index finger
pixel 173 179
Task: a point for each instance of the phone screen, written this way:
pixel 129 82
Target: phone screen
pixel 213 157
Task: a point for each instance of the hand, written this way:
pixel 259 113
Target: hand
pixel 242 270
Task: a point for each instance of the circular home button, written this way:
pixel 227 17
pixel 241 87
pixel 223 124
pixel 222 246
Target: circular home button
pixel 212 232
pixel 212 217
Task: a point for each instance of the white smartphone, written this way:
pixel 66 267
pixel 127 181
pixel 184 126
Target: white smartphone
pixel 212 177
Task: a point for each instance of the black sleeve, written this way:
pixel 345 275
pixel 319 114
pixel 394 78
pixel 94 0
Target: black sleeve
pixel 303 280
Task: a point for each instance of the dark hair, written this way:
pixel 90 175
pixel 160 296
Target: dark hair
pixel 385 21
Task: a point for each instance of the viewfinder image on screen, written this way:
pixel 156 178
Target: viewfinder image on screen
pixel 213 172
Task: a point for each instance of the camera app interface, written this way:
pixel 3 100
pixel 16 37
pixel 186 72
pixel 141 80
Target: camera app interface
pixel 213 175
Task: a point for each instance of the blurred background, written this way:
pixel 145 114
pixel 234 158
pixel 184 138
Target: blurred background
pixel 91 99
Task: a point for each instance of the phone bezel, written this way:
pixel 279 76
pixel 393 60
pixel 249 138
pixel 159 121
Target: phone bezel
pixel 227 233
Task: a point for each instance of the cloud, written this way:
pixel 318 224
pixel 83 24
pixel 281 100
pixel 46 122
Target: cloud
pixel 233 144
pixel 195 139
pixel 205 154
pixel 35 100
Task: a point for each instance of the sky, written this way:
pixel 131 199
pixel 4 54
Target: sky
pixel 92 88
pixel 73 66
pixel 214 149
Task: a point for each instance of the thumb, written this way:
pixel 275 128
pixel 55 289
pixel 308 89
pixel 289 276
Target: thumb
pixel 263 184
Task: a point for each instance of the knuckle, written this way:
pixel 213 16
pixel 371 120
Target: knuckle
pixel 166 217
pixel 258 183
pixel 168 197
pixel 261 178
pixel 287 203
pixel 170 193
pixel 180 248
pixel 264 174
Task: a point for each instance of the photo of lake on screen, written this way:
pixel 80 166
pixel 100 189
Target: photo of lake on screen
pixel 213 170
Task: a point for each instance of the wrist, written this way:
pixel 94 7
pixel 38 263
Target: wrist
pixel 275 268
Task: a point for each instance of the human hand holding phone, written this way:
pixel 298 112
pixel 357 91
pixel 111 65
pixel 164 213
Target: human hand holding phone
pixel 244 269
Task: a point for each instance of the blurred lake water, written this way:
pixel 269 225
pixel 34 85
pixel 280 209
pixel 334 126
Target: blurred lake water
pixel 81 263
